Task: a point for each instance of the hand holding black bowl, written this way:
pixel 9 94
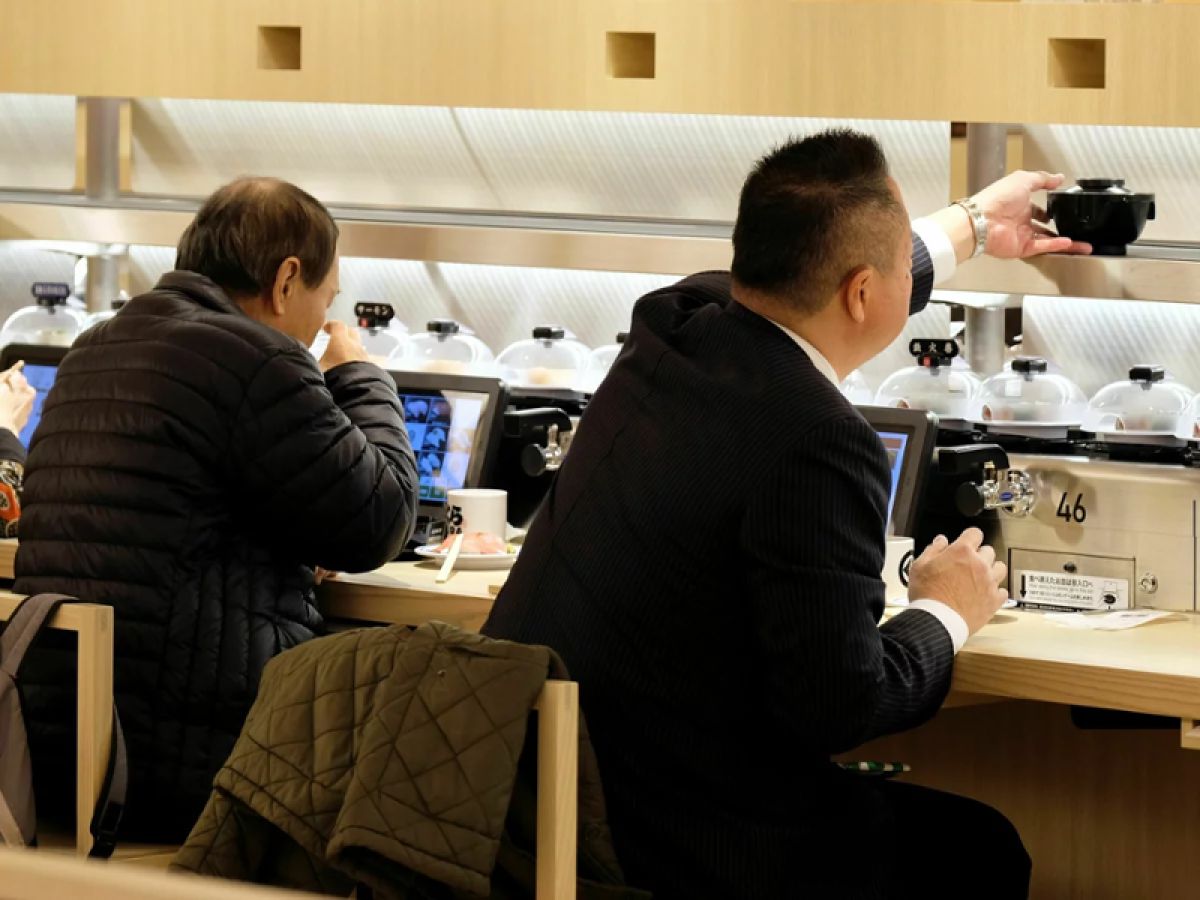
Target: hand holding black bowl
pixel 1102 212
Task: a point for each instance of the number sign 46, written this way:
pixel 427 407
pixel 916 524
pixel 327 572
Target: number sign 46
pixel 1072 512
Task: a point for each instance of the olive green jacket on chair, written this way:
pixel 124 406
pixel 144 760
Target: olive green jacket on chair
pixel 393 758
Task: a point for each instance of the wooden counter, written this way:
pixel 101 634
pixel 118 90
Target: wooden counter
pixel 8 558
pixel 1019 656
pixel 406 594
pixel 1105 814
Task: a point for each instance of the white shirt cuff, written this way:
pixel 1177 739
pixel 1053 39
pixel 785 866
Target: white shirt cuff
pixel 955 625
pixel 941 250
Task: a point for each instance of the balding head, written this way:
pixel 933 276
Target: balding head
pixel 245 231
pixel 272 248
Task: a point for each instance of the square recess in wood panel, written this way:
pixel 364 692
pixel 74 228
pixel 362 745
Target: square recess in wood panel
pixel 1077 63
pixel 630 54
pixel 279 47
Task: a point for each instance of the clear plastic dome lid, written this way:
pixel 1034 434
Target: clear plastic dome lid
pixel 599 362
pixel 1189 426
pixel 445 346
pixel 381 332
pixel 941 382
pixel 1149 403
pixel 49 322
pixel 856 389
pixel 552 358
pixel 381 343
pixel 1027 394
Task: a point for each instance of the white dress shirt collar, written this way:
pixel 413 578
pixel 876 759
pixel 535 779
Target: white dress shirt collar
pixel 818 359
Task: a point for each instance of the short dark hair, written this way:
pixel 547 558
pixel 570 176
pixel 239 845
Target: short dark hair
pixel 811 212
pixel 246 229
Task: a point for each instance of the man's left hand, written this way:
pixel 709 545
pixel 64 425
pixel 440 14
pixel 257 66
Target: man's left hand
pixel 1016 228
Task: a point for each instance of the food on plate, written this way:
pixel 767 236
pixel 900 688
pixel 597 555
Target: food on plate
pixel 476 542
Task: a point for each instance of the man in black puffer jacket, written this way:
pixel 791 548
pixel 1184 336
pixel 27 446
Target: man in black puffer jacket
pixel 193 468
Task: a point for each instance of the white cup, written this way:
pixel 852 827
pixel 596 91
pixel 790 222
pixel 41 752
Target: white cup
pixel 477 509
pixel 896 561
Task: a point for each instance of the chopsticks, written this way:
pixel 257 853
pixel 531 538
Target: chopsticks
pixel 451 558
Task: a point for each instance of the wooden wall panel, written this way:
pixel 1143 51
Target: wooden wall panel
pixel 1106 815
pixel 967 61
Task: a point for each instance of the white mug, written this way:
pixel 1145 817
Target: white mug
pixel 477 509
pixel 896 562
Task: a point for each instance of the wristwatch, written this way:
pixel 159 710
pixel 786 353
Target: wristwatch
pixel 978 223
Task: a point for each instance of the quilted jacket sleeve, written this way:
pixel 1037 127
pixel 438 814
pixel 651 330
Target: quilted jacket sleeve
pixel 322 465
pixel 813 538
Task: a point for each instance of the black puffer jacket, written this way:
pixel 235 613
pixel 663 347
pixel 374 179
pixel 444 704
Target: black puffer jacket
pixel 191 468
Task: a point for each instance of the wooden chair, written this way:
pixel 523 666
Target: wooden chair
pixel 35 875
pixel 557 790
pixel 558 747
pixel 94 626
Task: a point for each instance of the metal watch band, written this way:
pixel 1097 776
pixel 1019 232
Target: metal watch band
pixel 978 223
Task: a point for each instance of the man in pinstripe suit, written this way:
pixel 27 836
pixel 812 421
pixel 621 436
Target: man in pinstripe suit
pixel 707 562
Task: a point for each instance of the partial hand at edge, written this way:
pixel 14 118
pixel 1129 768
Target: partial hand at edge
pixel 345 345
pixel 1016 225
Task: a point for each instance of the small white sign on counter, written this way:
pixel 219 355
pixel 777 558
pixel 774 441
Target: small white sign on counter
pixel 1061 590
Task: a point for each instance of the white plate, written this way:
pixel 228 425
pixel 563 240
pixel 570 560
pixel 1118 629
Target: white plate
pixel 470 560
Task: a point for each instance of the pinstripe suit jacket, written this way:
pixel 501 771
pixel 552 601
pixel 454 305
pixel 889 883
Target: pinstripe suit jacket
pixel 707 564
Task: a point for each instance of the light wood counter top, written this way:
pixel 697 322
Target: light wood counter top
pixel 8 557
pixel 1154 668
pixel 406 594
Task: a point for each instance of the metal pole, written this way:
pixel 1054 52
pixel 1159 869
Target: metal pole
pixel 987 161
pixel 103 184
pixel 987 155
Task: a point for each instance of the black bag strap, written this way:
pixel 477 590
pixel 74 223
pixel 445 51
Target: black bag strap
pixel 23 627
pixel 106 818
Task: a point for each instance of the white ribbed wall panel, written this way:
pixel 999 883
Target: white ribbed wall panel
pixel 37 141
pixel 380 155
pixel 583 163
pixel 147 265
pixel 1161 161
pixel 1096 342
pixel 669 166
